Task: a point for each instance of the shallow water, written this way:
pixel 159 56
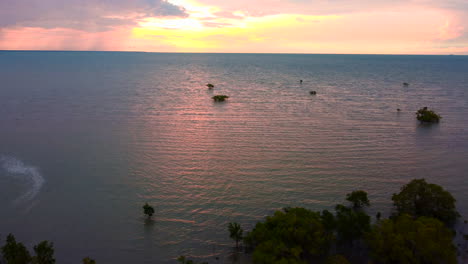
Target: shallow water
pixel 87 137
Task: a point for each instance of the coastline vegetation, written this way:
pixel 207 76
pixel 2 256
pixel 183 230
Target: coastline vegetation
pixel 419 230
pixel 16 253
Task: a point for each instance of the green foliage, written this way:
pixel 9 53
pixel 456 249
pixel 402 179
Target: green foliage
pixel 289 236
pixel 337 259
pixel 235 232
pixel 44 253
pixel 210 86
pixel 148 210
pixel 328 221
pixel 88 260
pixel 15 253
pixel 419 198
pixel 358 199
pixel 426 115
pixel 184 260
pixel 408 241
pixel 351 224
pixel 220 98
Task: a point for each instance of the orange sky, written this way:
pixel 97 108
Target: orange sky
pixel 272 26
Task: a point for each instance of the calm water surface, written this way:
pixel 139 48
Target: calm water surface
pixel 87 137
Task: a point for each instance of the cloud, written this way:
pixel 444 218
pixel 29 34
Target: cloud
pixel 260 8
pixel 303 26
pixel 87 15
pixel 227 15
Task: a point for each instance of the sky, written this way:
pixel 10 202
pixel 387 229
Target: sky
pixel 244 26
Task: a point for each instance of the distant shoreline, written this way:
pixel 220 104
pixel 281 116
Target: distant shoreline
pixel 238 53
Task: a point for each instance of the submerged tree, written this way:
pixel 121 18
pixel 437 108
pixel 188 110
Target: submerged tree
pixel 419 198
pixel 358 199
pixel 235 232
pixel 148 210
pixel 408 240
pixel 15 253
pixel 44 253
pixel 426 115
pixel 220 98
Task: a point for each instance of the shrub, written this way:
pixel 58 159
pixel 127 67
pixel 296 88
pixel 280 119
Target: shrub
pixel 220 98
pixel 426 115
pixel 235 232
pixel 408 240
pixel 289 236
pixel 148 210
pixel 358 199
pixel 419 198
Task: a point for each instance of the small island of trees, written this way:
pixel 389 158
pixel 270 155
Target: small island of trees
pixel 428 116
pixel 220 98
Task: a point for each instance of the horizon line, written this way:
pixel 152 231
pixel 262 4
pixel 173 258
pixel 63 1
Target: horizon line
pixel 258 53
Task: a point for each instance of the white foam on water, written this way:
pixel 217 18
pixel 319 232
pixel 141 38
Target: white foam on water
pixel 17 169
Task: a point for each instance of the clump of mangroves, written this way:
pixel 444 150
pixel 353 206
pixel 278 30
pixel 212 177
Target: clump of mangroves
pixel 220 98
pixel 420 229
pixel 427 116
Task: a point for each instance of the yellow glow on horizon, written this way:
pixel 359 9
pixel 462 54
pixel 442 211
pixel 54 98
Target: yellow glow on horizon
pixel 263 26
pixel 191 34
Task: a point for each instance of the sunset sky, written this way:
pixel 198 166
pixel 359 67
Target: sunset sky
pixel 258 26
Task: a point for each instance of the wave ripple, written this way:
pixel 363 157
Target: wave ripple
pixel 17 169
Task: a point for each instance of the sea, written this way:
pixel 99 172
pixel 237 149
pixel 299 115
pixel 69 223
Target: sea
pixel 86 138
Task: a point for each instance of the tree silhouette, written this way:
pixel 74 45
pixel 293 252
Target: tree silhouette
pixel 148 210
pixel 235 232
pixel 15 253
pixel 44 253
pixel 419 198
pixel 358 199
pixel 88 260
